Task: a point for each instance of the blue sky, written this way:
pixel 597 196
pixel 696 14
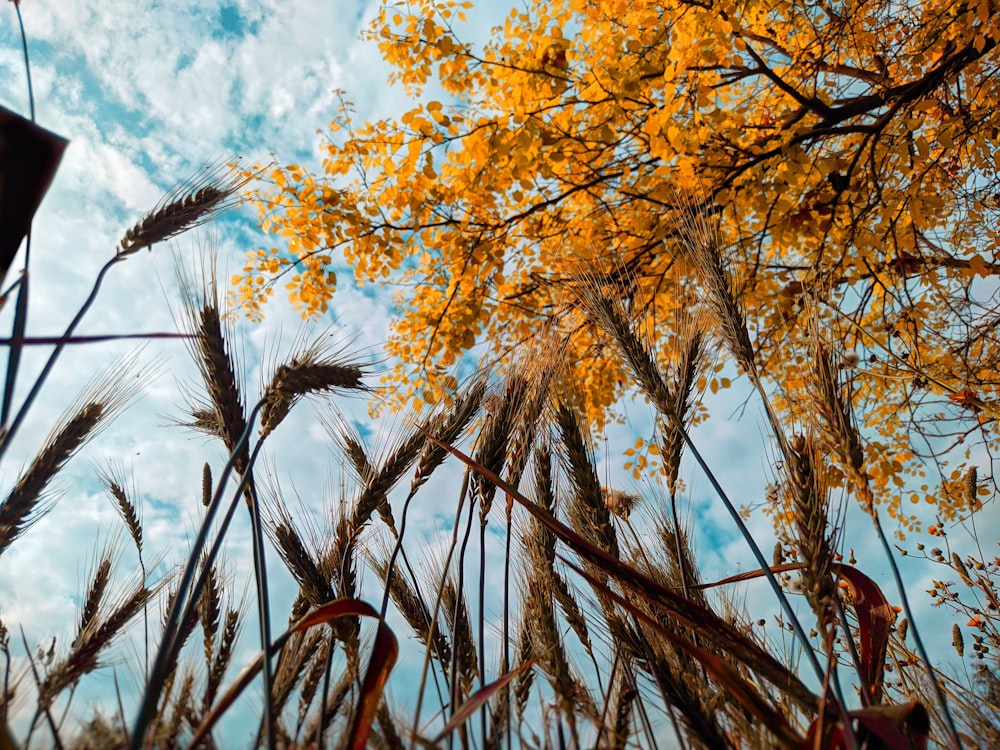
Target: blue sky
pixel 146 92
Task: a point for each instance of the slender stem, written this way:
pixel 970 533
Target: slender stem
pixel 327 672
pixel 263 605
pixel 482 624
pixel 27 61
pixel 59 340
pixel 16 342
pixel 437 601
pixel 918 641
pixel 505 663
pixel 7 432
pixel 758 555
pixel 183 604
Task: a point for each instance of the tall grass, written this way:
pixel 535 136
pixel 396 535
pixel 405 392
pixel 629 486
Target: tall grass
pixel 603 632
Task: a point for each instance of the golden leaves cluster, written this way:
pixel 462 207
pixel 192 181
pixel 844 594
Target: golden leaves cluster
pixel 849 153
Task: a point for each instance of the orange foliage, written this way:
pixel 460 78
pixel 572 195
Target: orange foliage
pixel 849 152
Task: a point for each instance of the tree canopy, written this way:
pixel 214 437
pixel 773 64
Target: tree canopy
pixel 847 151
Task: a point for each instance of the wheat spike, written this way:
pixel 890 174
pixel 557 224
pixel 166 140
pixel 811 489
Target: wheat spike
pixel 456 612
pixel 414 610
pixel 17 508
pixel 447 426
pixel 292 665
pixel 588 514
pixel 105 396
pixel 311 682
pixel 608 313
pixel 189 204
pixel 333 705
pixel 524 649
pixel 314 370
pixel 301 564
pixel 492 444
pixel 206 485
pixel 222 657
pixel 181 708
pixel 114 479
pixel 810 505
pixel 571 697
pixel 95 593
pixel 90 642
pixel 624 705
pixel 834 408
pixel 540 549
pixel 222 415
pixel 673 397
pixel 538 368
pixel 694 359
pixel 700 242
pixel 209 607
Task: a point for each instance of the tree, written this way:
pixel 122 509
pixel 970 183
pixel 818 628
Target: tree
pixel 847 152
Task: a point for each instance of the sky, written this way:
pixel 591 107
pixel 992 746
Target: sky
pixel 147 92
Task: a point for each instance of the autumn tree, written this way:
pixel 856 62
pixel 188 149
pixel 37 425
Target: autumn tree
pixel 846 151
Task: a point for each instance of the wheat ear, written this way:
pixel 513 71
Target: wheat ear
pixel 96 636
pixel 120 489
pixel 26 502
pixel 314 370
pixel 189 204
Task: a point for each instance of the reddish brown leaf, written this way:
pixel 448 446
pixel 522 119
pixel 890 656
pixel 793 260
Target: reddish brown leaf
pixel 478 699
pixel 875 619
pixel 749 575
pixel 384 654
pixel 900 726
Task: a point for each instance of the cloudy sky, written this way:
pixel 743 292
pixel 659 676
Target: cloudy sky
pixel 146 92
